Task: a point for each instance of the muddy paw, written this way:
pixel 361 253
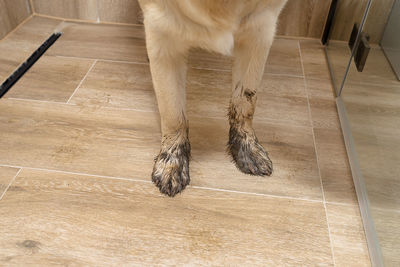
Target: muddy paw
pixel 249 156
pixel 171 169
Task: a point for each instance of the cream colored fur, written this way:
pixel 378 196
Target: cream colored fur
pixel 244 29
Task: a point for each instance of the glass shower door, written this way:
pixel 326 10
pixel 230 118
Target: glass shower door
pixel 347 14
pixel 370 100
pixel 391 39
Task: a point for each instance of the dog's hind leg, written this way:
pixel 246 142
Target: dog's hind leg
pixel 252 45
pixel 168 70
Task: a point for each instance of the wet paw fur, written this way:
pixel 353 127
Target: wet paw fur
pixel 249 155
pixel 171 169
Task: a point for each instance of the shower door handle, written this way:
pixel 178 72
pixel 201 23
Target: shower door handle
pixel 361 47
pixel 361 52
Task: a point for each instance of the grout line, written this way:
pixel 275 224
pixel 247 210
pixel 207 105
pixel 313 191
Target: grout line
pixel 284 75
pixel 122 61
pixel 267 121
pixel 8 186
pixel 36 100
pixel 32 7
pixel 306 91
pixel 103 60
pixel 293 37
pixel 210 69
pixel 341 204
pixel 77 173
pixel 316 155
pixel 192 67
pixel 80 83
pixel 149 182
pixel 255 194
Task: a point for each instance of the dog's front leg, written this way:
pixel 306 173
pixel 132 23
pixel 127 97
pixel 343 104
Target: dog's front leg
pixel 252 45
pixel 168 70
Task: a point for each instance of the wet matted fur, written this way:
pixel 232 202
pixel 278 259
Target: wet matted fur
pixel 171 167
pixel 247 153
pixel 242 28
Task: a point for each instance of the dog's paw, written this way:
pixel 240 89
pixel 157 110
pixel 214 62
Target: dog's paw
pixel 171 169
pixel 249 156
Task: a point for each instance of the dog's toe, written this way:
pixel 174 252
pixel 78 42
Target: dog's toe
pixel 249 156
pixel 171 172
pixel 254 161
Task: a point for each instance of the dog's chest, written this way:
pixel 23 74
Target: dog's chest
pixel 198 24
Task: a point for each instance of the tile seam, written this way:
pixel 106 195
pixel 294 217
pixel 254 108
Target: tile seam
pixel 149 182
pixel 317 159
pixel 83 79
pixel 9 184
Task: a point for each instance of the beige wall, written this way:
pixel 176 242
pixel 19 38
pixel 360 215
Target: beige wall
pixel 377 19
pixel 300 18
pixel 351 11
pixel 304 18
pixel 12 13
pixel 293 21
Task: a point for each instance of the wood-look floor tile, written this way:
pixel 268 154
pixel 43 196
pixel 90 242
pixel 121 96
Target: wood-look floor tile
pixel 383 95
pixel 19 45
pixel 6 175
pixel 280 98
pixel 32 33
pixel 382 183
pixel 380 170
pixel 199 58
pixel 320 88
pixel 380 176
pixel 126 43
pixel 314 59
pixel 53 218
pixel 387 228
pixel 112 42
pixel 78 139
pixel 334 166
pixel 322 104
pixel 121 85
pixel 377 71
pixel 347 235
pixel 373 112
pixel 324 113
pixel 284 58
pixel 123 143
pixel 51 79
pixel 290 148
pixel 10 59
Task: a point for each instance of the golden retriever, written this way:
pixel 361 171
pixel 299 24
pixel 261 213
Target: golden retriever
pixel 243 28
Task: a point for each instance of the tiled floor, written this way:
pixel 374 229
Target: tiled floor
pixel 79 132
